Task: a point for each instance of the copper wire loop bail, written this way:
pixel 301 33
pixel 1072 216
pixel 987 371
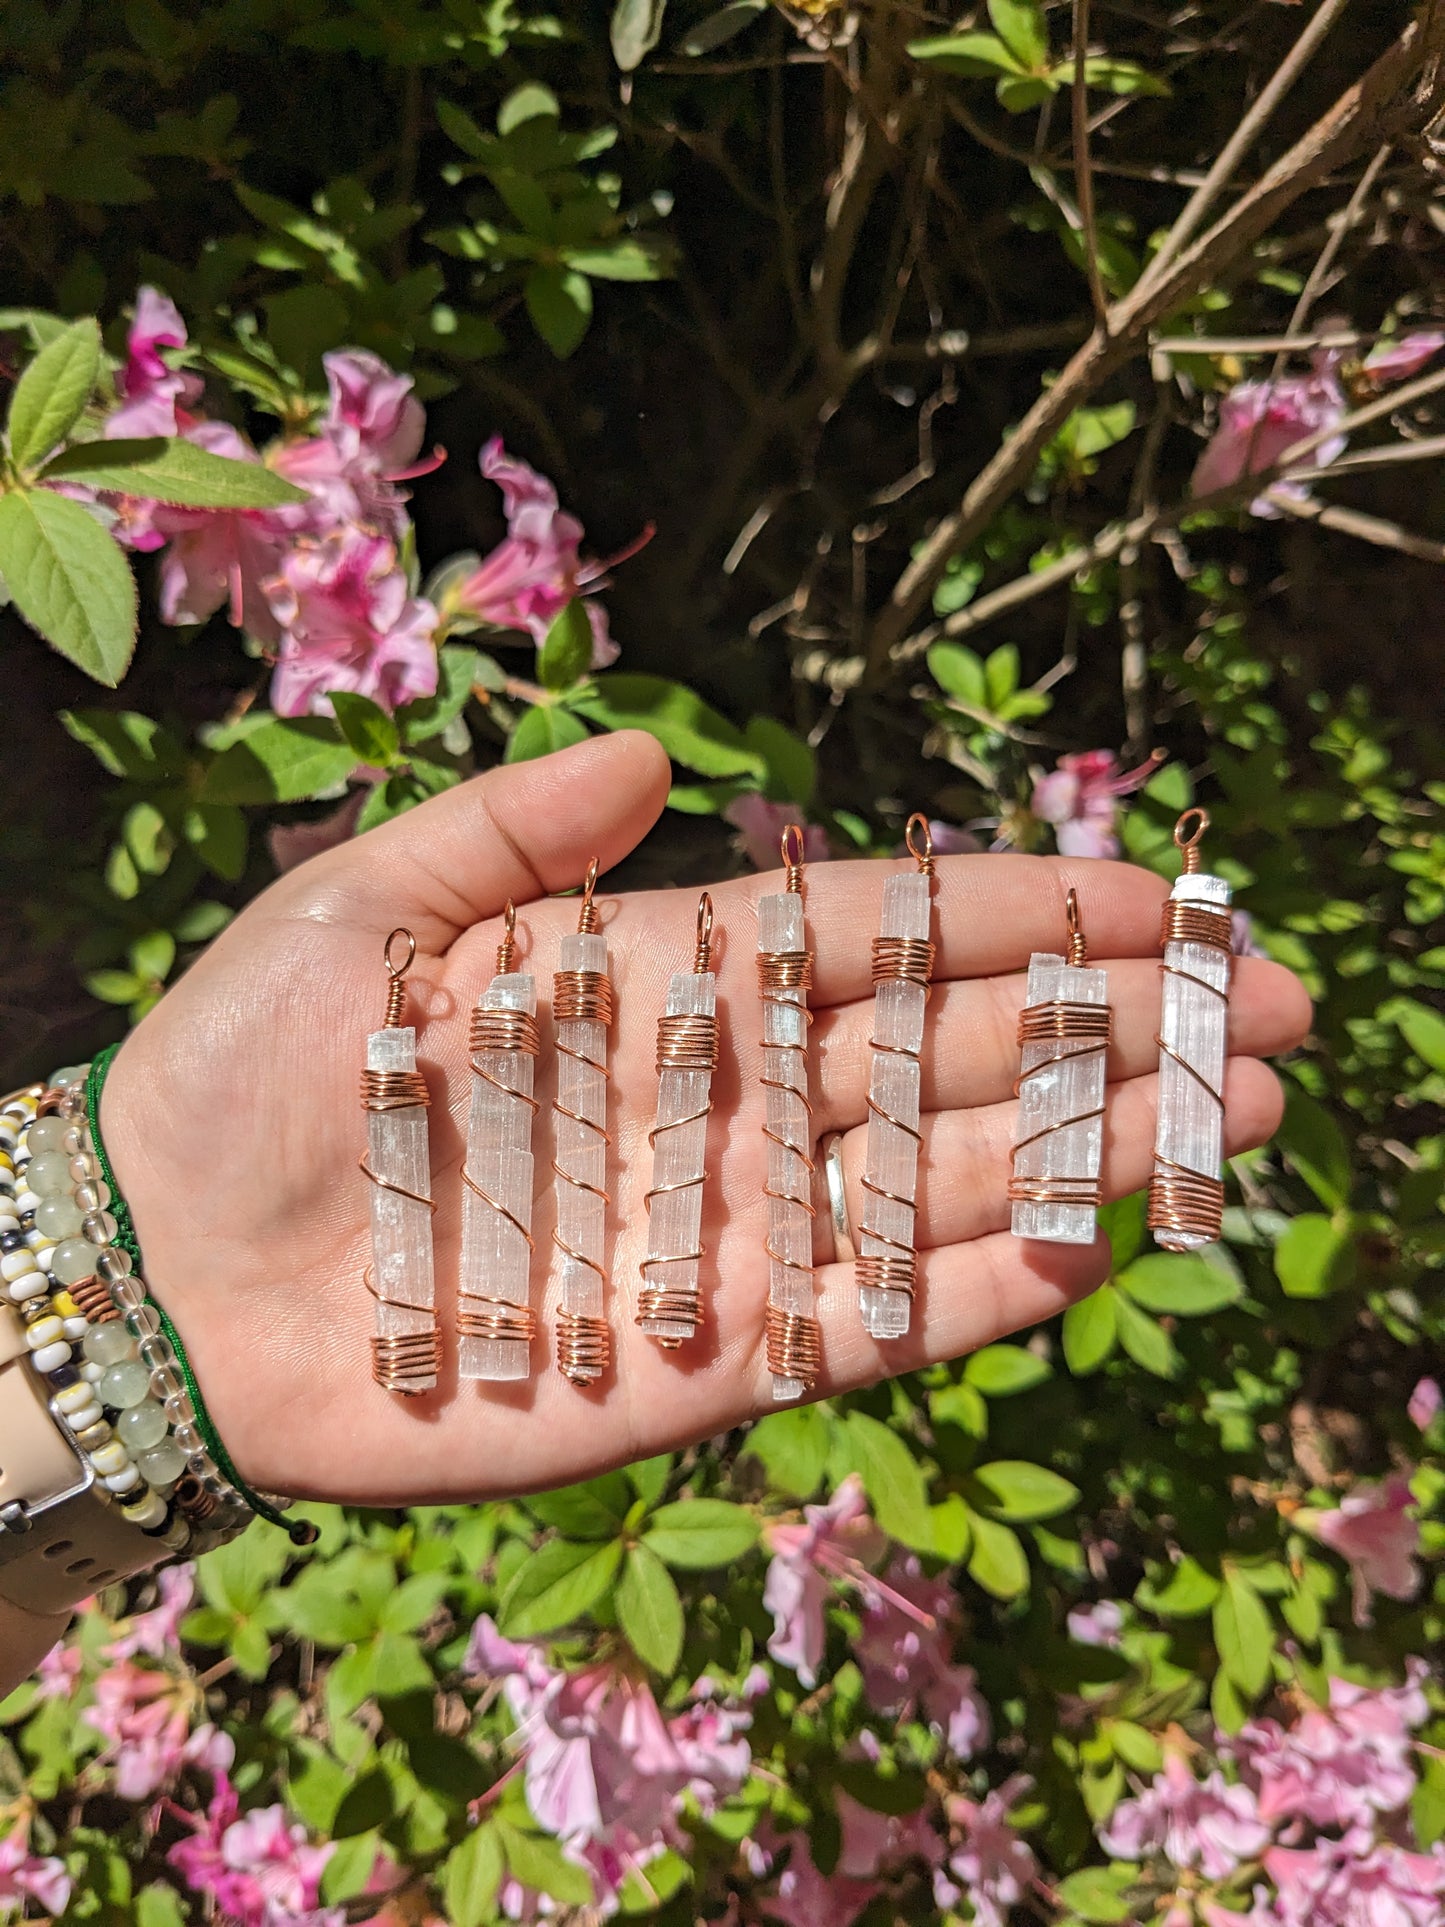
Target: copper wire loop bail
pixel 587 917
pixel 793 847
pixel 507 948
pixel 1183 922
pixel 794 1346
pixel 94 1302
pixel 907 960
pixel 404 1364
pixel 1188 1203
pixel 396 974
pixel 918 841
pixel 702 954
pixel 1078 953
pixel 584 1347
pixel 496 1320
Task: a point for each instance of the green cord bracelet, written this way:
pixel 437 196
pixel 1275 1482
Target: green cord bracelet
pixel 300 1531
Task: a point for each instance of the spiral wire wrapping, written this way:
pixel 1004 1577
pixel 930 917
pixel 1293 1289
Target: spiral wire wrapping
pixel 906 960
pixel 584 1344
pixel 794 1345
pixel 685 1042
pixel 1181 1199
pixel 479 1315
pixel 402 1363
pixel 1079 1030
pixel 195 1500
pixel 780 971
pixel 94 1302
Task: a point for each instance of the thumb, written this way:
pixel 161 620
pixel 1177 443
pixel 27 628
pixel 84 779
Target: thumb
pixel 523 830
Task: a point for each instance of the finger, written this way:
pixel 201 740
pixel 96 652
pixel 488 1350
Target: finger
pixel 971 1053
pixel 522 831
pixel 964 1163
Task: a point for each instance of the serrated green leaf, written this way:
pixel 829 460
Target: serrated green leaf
pixel 1243 1635
pixel 1019 1491
pixel 542 729
pixel 893 1480
pixel 649 1610
pixel 367 728
pixel 52 392
pixel 556 1585
pixel 173 470
pixel 1179 1284
pixel 1002 1371
pixel 566 652
pixel 692 733
pixel 280 761
pixel 69 580
pixel 471 1876
pixel 1090 1331
pixel 700 1534
pixel 997 1560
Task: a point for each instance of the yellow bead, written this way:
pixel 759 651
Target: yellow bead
pixel 65 1305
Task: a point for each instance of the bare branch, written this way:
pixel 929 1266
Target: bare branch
pixel 1083 172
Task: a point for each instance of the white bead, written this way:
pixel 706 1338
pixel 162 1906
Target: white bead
pixel 17 1264
pixel 110 1459
pixel 125 1481
pixel 52 1358
pixel 85 1415
pixel 76 1329
pixel 147 1513
pixel 45 1331
pixel 32 1285
pixel 46 1261
pixel 92 1374
pixel 72 1399
pixel 8 1220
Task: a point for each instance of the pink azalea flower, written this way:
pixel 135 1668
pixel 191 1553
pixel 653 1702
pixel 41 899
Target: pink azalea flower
pixel 1372 1530
pixel 904 1649
pixel 1397 360
pixel 158 1632
pixel 1079 797
pixel 1195 1823
pixel 536 570
pixel 216 556
pixel 259 1868
pixel 994 1867
pixel 1096 1625
pixel 950 840
pixel 27 1876
pixel 1356 1882
pixel 1260 421
pixel 148 386
pixel 875 1841
pixel 1425 1403
pixel 144 1719
pixel 1340 1767
pixel 804 1897
pixel 834 1542
pixel 761 825
pixel 348 622
pixel 58 1672
pixel 376 404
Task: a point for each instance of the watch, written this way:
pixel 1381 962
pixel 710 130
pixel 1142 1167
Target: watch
pixel 60 1538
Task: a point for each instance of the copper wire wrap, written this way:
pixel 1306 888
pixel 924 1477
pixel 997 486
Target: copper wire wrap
pixel 1076 1030
pixel 794 1346
pixel 94 1302
pixel 405 1365
pixel 507 948
pixel 907 960
pixel 1181 1200
pixel 687 1042
pixel 793 847
pixel 918 841
pixel 779 971
pixel 893 1270
pixel 196 1501
pixel 584 1345
pixel 496 1319
pixel 504 1030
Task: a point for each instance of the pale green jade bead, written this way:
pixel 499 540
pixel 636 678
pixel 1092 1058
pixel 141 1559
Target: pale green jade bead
pixel 162 1466
pixel 124 1384
pixel 48 1134
pixel 77 1258
pixel 49 1174
pixel 58 1216
pixel 108 1344
pixel 142 1426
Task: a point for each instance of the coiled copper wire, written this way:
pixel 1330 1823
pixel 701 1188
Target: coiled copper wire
pixel 196 1501
pixel 1187 1203
pixel 584 1346
pixel 893 1270
pixel 495 1319
pixel 94 1302
pixel 393 1090
pixel 1077 1030
pixel 407 1364
pixel 1197 923
pixel 512 1031
pixel 794 1345
pixel 907 960
pixel 687 1043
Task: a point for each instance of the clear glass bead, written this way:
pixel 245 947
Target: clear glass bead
pixel 143 1322
pixel 154 1353
pixel 108 1344
pixel 94 1196
pixel 129 1294
pixel 166 1382
pixel 100 1227
pixel 189 1439
pixel 82 1168
pixel 142 1426
pixel 124 1385
pixel 113 1264
pixel 73 1104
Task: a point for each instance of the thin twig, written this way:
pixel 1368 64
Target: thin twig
pixel 1365 528
pixel 1192 215
pixel 1319 273
pixel 1083 172
pixel 1134 658
pixel 1286 344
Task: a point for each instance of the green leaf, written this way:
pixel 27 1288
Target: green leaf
pixel 968 54
pixel 1189 1591
pixel 367 727
pixel 1145 1340
pixel 51 395
pixel 1243 1635
pixel 401 1667
pixel 1135 1745
pixel 592 1510
pixel 1091 1329
pixel 697 1534
pixel 174 471
pixel 997 1560
pixel 559 300
pixel 959 673
pixel 1315 1145
pixel 1115 76
pixel 1098 1894
pixel 69 580
pixel 113 986
pixel 471 1876
pixel 281 761
pixel 125 743
pixel 153 954
pixel 1184 1286
pixel 349 1870
pixel 1019 1491
pixel 428 716
pixel 217 833
pixel 1021 26
pixel 790 763
pixel 636 30
pixel 649 1610
pixel 893 1480
pixel 1314 1257
pixel 1423 1030
pixel 720 27
pixel 159 1906
pixel 556 1585
pixel 566 652
pixel 541 730
pixel 537 1860
pixel 1001 1371
pixel 691 733
pixel 962 1405
pixel 648 1477
pixel 1001 674
pixel 530 101
pixel 793 1446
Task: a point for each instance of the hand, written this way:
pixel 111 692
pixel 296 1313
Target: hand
pixel 234 1127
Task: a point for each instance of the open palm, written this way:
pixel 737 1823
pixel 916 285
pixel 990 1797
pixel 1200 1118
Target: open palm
pixel 233 1123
